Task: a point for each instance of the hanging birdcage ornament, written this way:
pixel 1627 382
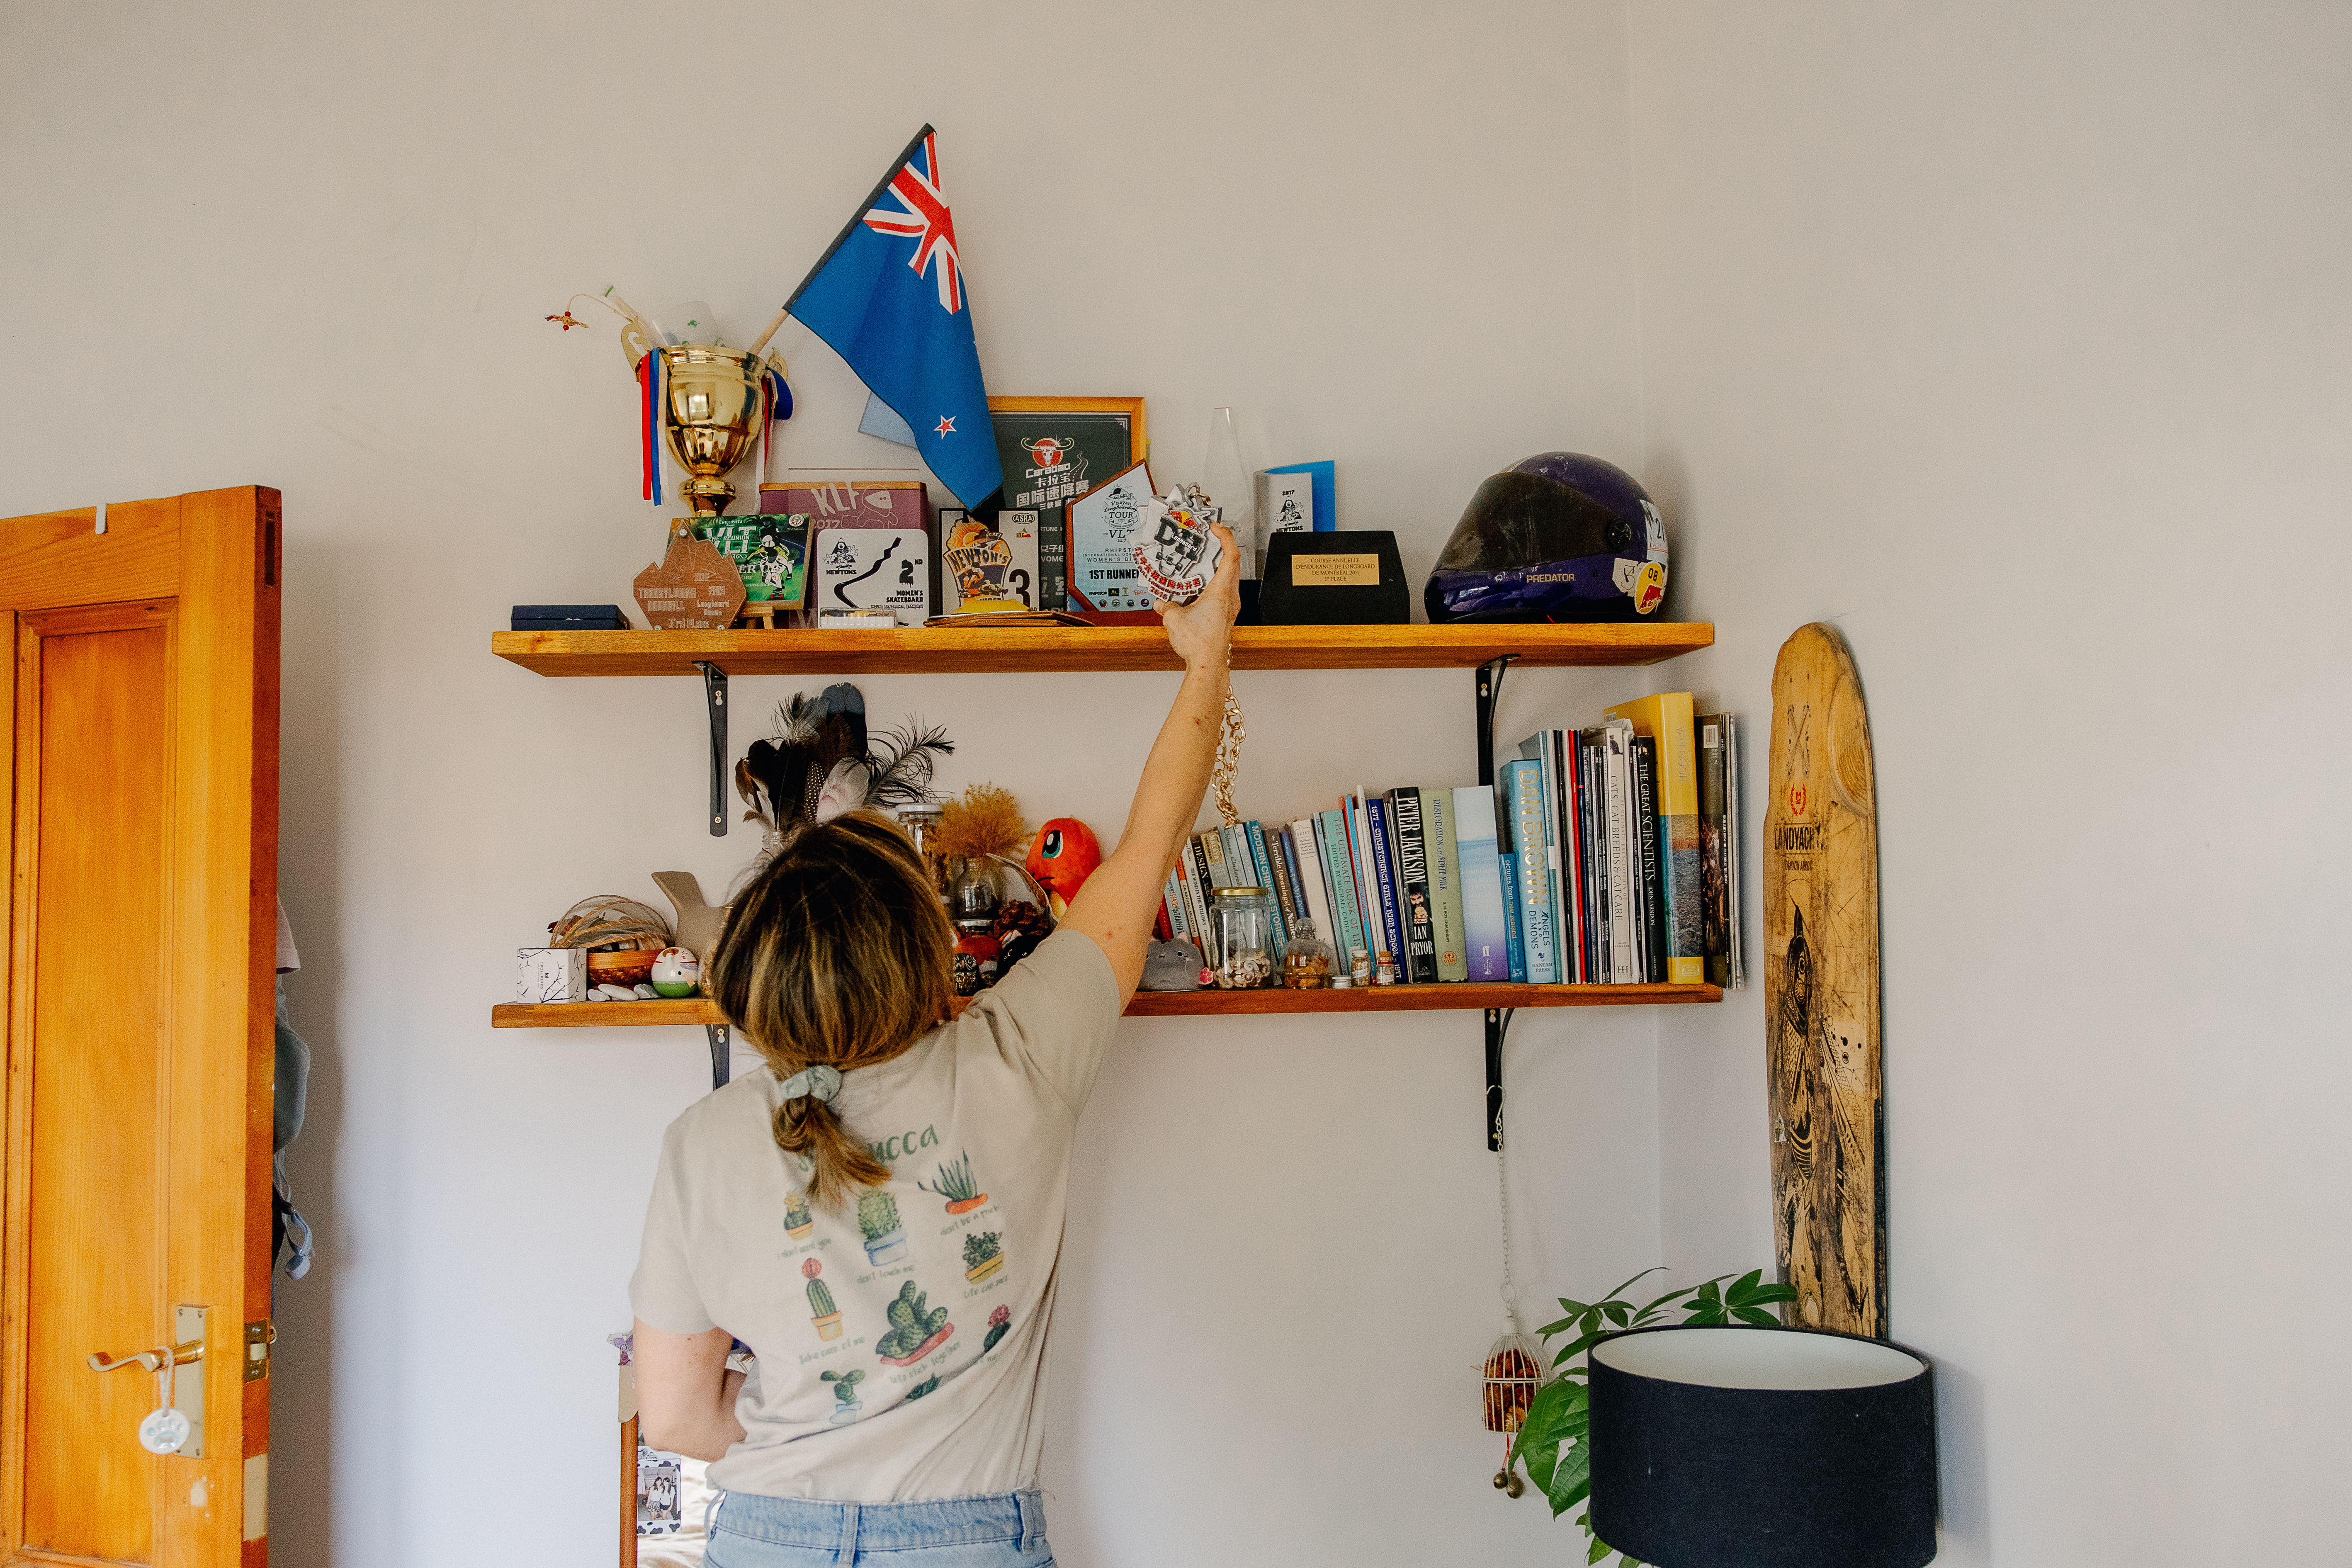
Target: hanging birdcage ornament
pixel 1513 1369
pixel 1513 1375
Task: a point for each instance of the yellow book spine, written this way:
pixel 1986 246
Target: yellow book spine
pixel 1670 718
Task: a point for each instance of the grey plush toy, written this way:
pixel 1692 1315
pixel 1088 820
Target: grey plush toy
pixel 1171 966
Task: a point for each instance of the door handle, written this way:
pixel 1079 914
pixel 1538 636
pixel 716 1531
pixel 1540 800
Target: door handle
pixel 152 1361
pixel 194 1326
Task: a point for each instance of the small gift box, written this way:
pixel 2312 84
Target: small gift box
pixel 550 974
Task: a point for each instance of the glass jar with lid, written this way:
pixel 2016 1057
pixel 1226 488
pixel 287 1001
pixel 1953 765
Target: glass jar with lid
pixel 1306 958
pixel 1242 920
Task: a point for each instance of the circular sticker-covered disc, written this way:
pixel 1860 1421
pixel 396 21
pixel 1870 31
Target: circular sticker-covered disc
pixel 1176 555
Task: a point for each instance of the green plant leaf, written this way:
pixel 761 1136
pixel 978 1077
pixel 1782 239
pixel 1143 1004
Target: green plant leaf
pixel 1668 1299
pixel 1645 1274
pixel 1556 1409
pixel 1756 1315
pixel 1572 1479
pixel 1746 1283
pixel 1599 1549
pixel 1620 1313
pixel 1562 1326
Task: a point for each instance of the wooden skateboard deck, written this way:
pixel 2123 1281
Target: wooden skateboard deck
pixel 1821 990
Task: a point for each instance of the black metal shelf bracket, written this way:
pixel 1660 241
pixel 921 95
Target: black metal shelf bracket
pixel 1490 692
pixel 714 696
pixel 722 1050
pixel 1498 1024
pixel 1498 1019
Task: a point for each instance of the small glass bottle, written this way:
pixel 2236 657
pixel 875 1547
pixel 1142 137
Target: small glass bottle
pixel 921 822
pixel 1359 967
pixel 1244 930
pixel 1306 959
pixel 973 891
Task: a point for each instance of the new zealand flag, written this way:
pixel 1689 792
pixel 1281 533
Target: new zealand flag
pixel 890 298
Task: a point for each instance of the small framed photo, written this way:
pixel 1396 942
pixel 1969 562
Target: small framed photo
pixel 1053 450
pixel 988 569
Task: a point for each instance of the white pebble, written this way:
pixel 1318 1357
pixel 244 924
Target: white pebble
pixel 647 994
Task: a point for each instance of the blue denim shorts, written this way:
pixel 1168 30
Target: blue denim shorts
pixel 1007 1531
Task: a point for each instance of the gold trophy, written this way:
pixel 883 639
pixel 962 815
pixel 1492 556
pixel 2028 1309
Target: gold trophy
pixel 714 401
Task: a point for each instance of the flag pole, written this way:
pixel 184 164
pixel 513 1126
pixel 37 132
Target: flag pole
pixel 774 327
pixel 855 219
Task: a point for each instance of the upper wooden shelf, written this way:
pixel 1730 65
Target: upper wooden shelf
pixel 1165 1004
pixel 944 650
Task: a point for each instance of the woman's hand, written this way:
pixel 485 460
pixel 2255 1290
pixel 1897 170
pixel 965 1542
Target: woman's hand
pixel 1201 631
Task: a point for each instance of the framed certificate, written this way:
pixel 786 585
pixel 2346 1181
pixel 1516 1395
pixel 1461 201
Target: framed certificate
pixel 1106 585
pixel 1053 450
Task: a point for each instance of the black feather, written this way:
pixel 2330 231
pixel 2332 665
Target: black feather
pixel 783 777
pixel 902 762
pixel 812 734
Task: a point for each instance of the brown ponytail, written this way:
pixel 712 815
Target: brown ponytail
pixel 838 955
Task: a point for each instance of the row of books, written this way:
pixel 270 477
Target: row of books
pixel 1607 855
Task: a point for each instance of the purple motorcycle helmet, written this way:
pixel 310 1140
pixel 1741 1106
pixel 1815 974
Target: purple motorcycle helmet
pixel 1559 537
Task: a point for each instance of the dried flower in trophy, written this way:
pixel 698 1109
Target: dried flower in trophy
pixel 986 821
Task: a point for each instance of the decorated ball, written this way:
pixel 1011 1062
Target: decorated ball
pixel 676 971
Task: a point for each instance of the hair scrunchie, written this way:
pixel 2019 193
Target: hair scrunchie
pixel 818 1082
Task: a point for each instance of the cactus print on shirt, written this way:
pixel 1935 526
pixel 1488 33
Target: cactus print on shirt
pixel 900 1339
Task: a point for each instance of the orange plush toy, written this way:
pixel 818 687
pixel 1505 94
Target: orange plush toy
pixel 1064 855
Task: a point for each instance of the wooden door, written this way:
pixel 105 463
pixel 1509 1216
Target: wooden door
pixel 139 766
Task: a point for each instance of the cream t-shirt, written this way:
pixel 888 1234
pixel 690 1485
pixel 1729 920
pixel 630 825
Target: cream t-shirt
pixel 899 1347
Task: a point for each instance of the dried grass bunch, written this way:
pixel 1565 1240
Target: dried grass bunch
pixel 986 821
pixel 609 922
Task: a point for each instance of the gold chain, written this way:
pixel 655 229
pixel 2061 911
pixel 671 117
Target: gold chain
pixel 1231 734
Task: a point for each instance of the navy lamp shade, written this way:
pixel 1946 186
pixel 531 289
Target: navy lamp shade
pixel 1739 1447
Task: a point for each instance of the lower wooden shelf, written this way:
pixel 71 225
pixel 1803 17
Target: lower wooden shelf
pixel 1167 1004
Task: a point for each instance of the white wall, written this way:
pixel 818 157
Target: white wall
pixel 2009 339
pixel 2012 340
pixel 312 247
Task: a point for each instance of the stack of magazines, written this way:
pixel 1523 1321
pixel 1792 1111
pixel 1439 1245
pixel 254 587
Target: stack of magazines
pixel 1602 856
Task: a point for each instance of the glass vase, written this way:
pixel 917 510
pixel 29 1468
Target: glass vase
pixel 1233 489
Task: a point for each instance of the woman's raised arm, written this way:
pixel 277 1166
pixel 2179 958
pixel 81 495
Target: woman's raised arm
pixel 1118 902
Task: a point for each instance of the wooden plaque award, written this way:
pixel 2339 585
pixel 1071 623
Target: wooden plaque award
pixel 1821 990
pixel 694 588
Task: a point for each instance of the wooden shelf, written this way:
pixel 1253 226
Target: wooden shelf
pixel 1168 1004
pixel 944 650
